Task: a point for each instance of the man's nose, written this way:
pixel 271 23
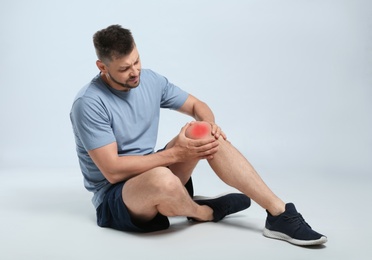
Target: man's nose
pixel 134 70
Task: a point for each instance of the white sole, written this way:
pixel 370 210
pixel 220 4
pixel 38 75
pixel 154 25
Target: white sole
pixel 281 236
pixel 199 197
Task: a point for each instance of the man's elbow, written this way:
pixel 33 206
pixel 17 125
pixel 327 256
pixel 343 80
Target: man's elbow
pixel 111 179
pixel 112 175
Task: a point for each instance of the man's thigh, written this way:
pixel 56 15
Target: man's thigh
pixel 182 170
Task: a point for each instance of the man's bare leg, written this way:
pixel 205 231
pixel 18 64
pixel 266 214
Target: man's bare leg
pixel 161 192
pixel 283 222
pixel 235 170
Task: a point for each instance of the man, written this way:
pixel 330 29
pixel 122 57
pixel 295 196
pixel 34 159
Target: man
pixel 115 121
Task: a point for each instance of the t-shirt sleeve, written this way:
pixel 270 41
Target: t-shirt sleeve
pixel 91 123
pixel 173 97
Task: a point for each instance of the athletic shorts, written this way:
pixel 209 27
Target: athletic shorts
pixel 113 213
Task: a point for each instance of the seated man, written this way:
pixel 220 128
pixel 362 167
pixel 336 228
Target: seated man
pixel 115 121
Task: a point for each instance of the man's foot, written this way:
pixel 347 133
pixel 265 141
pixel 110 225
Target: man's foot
pixel 225 205
pixel 291 227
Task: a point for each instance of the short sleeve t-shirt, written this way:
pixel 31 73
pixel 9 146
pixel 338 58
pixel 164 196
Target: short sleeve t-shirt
pixel 101 115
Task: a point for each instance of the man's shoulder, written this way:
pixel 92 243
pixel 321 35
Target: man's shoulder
pixel 93 90
pixel 92 93
pixel 150 74
pixel 152 80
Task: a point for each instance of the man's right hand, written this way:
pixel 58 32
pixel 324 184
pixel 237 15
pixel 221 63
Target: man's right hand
pixel 186 148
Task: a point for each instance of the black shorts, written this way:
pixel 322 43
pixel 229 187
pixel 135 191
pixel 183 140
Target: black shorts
pixel 113 212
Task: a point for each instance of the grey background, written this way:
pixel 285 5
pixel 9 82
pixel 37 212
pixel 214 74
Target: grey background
pixel 289 81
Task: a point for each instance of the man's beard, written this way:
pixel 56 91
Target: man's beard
pixel 124 85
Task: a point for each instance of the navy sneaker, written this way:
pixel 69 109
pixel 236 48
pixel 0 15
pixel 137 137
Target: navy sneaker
pixel 225 205
pixel 290 226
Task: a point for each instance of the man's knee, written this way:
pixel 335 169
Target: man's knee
pixel 165 181
pixel 199 130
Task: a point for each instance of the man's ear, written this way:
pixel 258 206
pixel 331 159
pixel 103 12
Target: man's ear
pixel 101 66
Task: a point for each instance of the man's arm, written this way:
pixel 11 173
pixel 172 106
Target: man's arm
pixel 200 111
pixel 119 168
pixel 197 109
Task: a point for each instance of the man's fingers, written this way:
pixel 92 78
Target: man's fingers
pixel 183 129
pixel 200 143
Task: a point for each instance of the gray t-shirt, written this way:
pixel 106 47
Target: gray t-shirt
pixel 101 115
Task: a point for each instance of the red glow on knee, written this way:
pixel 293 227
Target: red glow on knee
pixel 198 130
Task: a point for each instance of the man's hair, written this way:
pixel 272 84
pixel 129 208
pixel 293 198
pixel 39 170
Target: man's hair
pixel 113 42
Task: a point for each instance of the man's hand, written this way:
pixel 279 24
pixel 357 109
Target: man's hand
pixel 186 149
pixel 217 132
pixel 197 128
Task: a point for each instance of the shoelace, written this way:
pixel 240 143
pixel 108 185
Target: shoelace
pixel 296 219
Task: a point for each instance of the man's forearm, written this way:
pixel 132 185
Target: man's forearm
pixel 202 112
pixel 129 166
pixel 119 168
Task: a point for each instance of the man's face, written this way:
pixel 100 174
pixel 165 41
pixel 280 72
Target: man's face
pixel 122 73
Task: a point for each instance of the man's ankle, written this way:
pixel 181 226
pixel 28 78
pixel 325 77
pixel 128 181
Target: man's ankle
pixel 276 210
pixel 205 213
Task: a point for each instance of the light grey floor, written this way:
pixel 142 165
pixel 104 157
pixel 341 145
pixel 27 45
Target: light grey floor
pixel 47 214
